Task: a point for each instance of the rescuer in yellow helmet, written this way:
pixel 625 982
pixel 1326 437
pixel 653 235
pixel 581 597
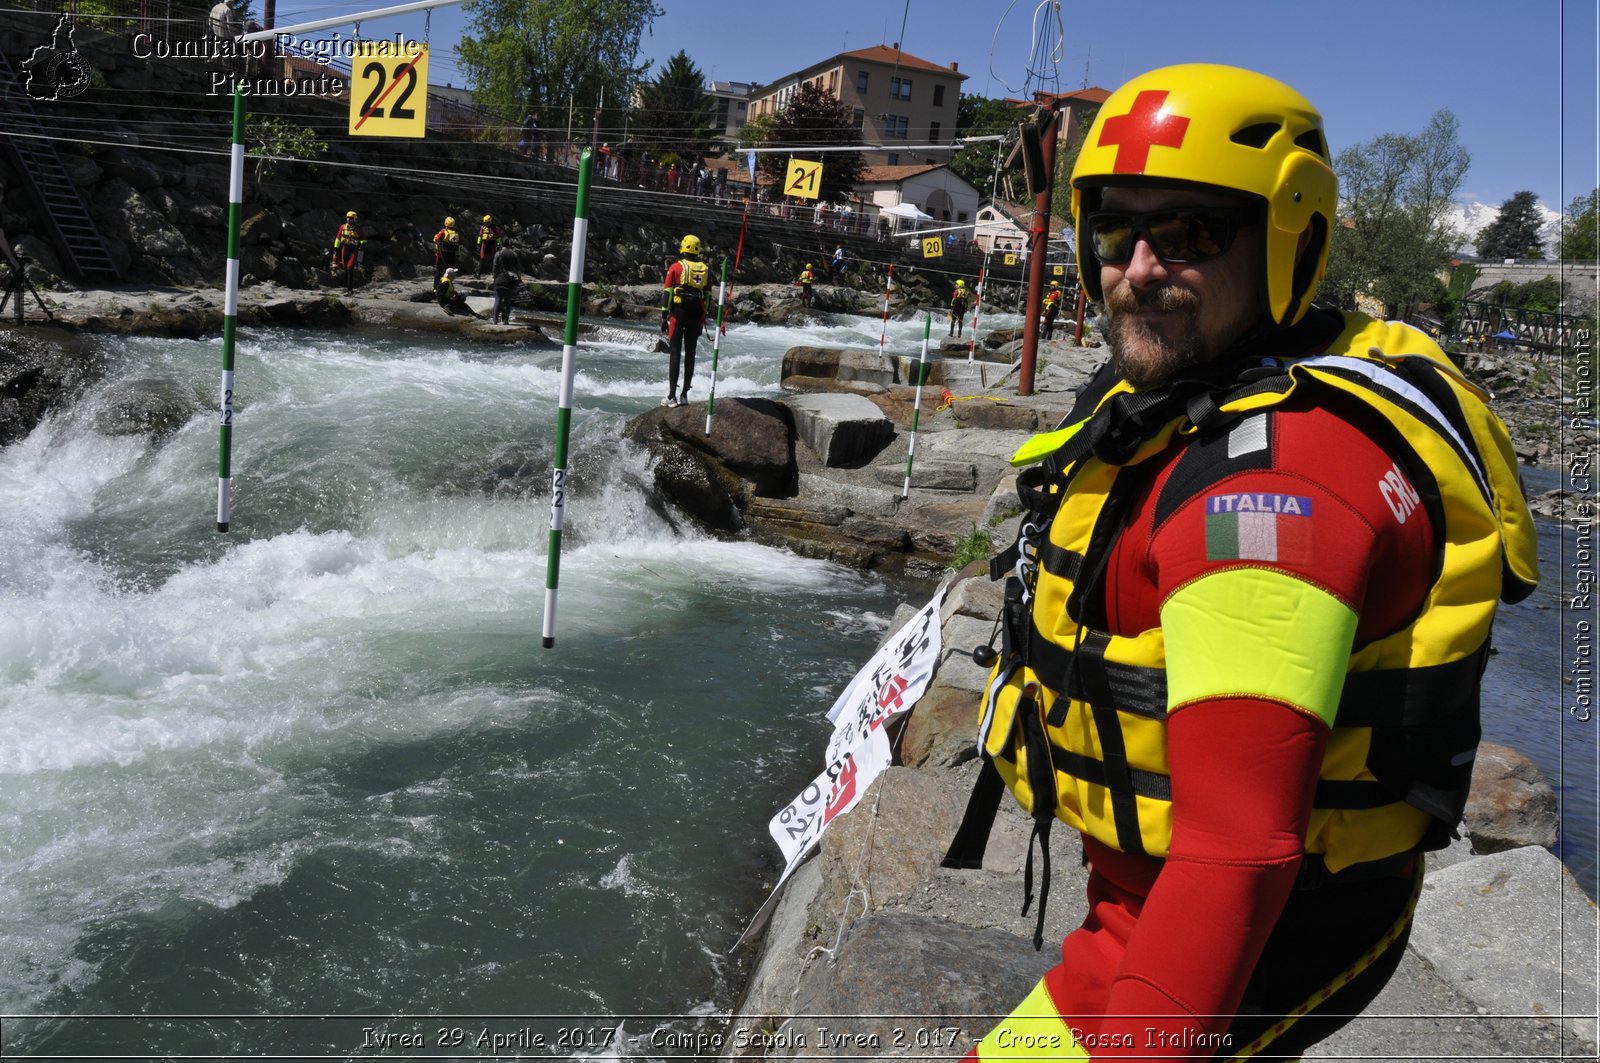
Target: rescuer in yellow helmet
pixel 686 288
pixel 806 279
pixel 958 307
pixel 1052 306
pixel 1258 573
pixel 488 240
pixel 446 250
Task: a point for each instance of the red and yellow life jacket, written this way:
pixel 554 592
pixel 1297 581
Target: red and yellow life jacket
pixel 1395 774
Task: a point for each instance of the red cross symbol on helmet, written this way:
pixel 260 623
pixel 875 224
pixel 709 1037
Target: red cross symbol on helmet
pixel 1145 126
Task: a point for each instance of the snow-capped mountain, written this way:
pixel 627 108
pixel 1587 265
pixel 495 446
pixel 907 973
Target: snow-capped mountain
pixel 1473 218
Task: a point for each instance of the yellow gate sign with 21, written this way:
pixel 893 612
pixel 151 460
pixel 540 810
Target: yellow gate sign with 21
pixel 389 90
pixel 803 179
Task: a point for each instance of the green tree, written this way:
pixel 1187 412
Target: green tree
pixel 674 116
pixel 549 55
pixel 1514 233
pixel 813 119
pixel 1396 194
pixel 1580 232
pixel 979 116
pixel 274 140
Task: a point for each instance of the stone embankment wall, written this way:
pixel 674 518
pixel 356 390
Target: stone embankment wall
pixel 146 146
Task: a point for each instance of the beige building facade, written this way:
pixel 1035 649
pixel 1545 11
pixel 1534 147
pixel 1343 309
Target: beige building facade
pixel 904 106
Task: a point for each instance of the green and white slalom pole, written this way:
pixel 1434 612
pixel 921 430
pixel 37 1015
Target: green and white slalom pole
pixel 916 407
pixel 716 341
pixel 230 313
pixel 724 292
pixel 569 359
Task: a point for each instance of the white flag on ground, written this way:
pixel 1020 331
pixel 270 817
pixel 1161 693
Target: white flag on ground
pixel 891 682
pixel 888 685
pixel 798 827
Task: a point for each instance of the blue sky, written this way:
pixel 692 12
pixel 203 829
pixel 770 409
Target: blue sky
pixel 1520 78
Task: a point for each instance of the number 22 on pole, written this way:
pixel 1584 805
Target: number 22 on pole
pixel 388 90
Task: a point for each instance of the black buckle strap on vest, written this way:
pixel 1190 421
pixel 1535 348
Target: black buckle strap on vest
pixel 1041 833
pixel 1042 781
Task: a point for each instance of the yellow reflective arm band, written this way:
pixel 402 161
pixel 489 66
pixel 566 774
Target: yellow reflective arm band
pixel 1257 632
pixel 1035 1030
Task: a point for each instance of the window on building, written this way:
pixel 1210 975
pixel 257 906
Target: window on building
pixel 938 95
pixel 893 159
pixel 933 132
pixel 961 216
pixel 860 118
pixel 899 88
pixel 861 81
pixel 742 107
pixel 896 125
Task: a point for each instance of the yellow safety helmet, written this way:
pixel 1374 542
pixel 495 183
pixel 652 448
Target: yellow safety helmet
pixel 1203 125
pixel 449 223
pixel 349 213
pixel 690 245
pixel 961 284
pixel 808 265
pixel 487 218
pixel 1055 284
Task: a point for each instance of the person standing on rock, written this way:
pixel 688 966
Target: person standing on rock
pixel 507 275
pixel 958 308
pixel 347 243
pixel 1052 306
pixel 683 318
pixel 488 240
pixel 806 280
pixel 1242 655
pixel 446 250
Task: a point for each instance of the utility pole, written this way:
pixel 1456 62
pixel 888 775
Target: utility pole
pixel 1038 245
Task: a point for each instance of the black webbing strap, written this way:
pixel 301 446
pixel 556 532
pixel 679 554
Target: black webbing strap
pixel 972 837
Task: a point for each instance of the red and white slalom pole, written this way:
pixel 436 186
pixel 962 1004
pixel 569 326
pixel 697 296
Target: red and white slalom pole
pixel 887 292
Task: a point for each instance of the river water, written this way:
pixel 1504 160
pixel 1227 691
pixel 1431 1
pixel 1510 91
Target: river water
pixel 313 787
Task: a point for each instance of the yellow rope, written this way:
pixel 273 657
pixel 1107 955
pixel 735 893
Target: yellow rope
pixel 946 400
pixel 1342 979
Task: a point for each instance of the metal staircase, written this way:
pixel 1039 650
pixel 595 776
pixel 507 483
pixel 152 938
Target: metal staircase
pixel 66 218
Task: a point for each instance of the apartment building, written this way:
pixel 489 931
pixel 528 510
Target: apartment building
pixel 730 101
pixel 903 104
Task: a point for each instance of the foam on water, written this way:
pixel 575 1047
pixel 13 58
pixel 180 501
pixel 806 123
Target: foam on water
pixel 191 722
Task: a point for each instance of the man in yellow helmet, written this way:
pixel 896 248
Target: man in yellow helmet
pixel 806 280
pixel 1243 652
pixel 958 308
pixel 488 240
pixel 347 241
pixel 1052 306
pixel 446 250
pixel 683 318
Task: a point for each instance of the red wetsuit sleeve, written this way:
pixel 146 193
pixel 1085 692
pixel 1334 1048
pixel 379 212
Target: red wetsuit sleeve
pixel 1244 769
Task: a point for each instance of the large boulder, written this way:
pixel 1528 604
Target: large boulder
pixel 1512 804
pixel 844 431
pixel 712 478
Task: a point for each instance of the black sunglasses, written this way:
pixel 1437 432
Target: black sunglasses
pixel 1184 234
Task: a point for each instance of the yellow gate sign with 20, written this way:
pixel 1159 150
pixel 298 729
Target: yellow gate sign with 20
pixel 389 90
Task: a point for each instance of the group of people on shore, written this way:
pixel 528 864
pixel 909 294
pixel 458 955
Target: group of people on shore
pixel 451 251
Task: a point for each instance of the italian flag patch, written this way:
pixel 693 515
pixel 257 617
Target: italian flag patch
pixel 1258 527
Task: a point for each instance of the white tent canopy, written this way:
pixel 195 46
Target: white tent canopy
pixel 908 211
